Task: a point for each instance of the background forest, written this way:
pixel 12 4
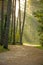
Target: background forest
pixel 33 26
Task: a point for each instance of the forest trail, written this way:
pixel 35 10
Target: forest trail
pixel 22 55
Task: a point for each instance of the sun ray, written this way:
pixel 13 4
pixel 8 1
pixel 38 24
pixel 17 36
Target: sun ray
pixel 21 6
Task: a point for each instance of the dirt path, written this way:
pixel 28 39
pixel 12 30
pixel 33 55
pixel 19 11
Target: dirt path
pixel 22 55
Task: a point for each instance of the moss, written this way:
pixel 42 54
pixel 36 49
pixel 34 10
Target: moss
pixel 2 49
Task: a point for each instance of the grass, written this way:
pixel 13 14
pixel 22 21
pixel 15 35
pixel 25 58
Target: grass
pixel 39 47
pixel 2 49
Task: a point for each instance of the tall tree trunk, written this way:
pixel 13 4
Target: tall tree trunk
pixel 17 25
pixel 5 38
pixel 11 24
pixel 12 20
pixel 20 22
pixel 23 21
pixel 2 21
pixel 14 41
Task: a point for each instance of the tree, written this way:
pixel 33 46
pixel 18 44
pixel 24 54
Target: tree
pixel 19 19
pixel 2 21
pixel 19 22
pixel 23 21
pixel 21 28
pixel 14 21
pixel 5 38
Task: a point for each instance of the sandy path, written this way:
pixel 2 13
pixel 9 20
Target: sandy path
pixel 22 55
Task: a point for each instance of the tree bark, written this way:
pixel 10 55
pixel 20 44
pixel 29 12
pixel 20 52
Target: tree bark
pixel 14 41
pixel 5 38
pixel 23 21
pixel 2 21
pixel 20 23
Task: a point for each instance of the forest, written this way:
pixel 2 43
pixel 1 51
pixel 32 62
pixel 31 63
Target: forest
pixel 19 17
pixel 21 32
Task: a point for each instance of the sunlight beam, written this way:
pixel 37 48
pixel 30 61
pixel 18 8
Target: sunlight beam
pixel 21 5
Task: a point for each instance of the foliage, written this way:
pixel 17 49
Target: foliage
pixel 39 17
pixel 39 47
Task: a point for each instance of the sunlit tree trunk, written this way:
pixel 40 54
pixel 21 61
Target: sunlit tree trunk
pixel 21 28
pixel 17 25
pixel 23 21
pixel 5 38
pixel 2 21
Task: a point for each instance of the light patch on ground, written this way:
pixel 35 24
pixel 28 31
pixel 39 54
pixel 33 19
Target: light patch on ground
pixel 30 45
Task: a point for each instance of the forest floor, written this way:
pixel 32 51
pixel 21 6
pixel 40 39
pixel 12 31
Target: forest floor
pixel 22 55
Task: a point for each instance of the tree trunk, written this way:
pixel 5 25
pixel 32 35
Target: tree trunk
pixel 5 38
pixel 14 21
pixel 2 21
pixel 23 21
pixel 20 22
